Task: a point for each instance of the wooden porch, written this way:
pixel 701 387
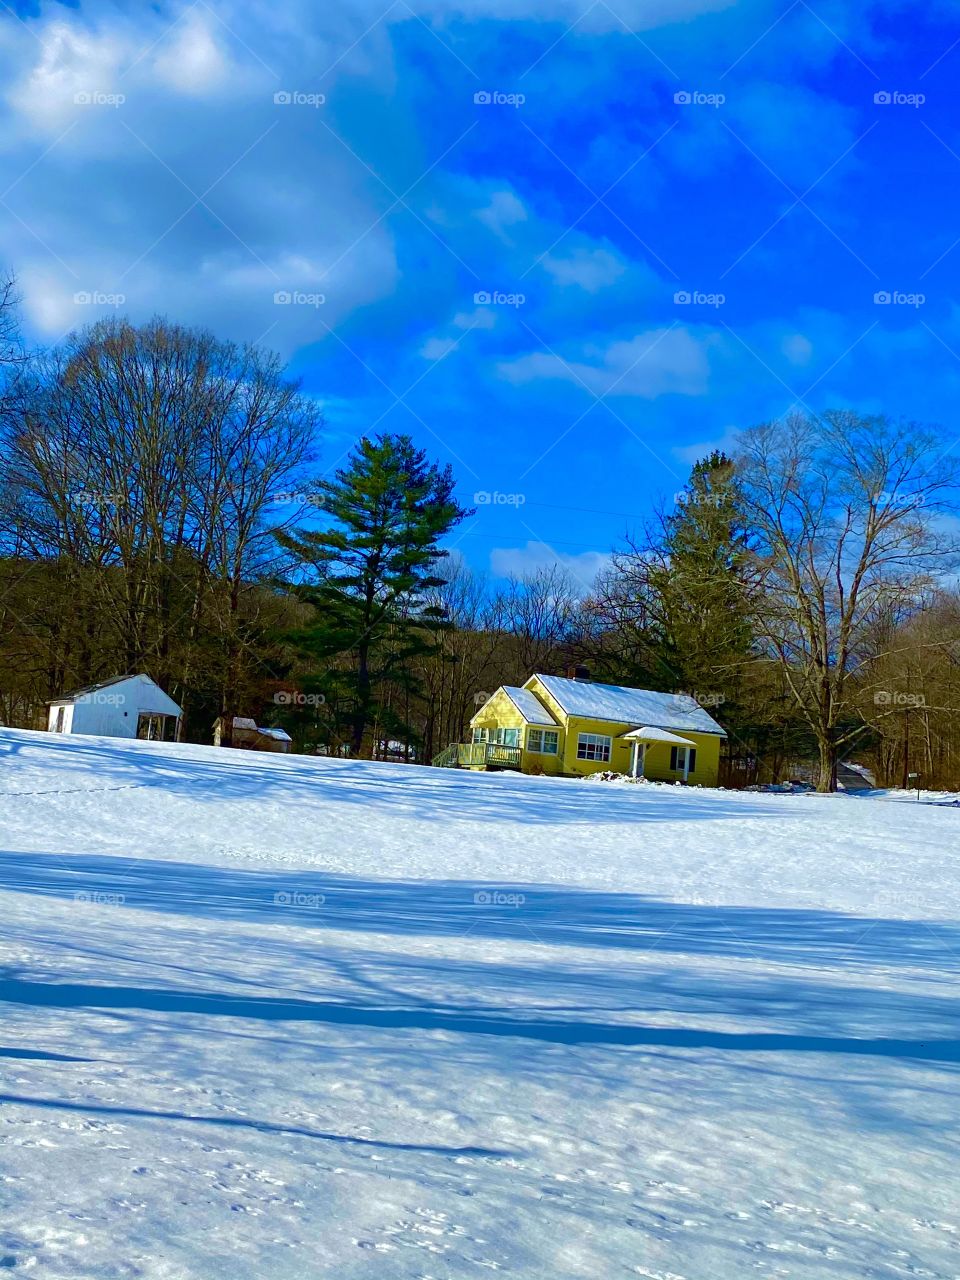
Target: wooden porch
pixel 479 755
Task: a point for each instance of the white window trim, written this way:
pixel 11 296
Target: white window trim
pixel 542 738
pixel 683 755
pixel 602 743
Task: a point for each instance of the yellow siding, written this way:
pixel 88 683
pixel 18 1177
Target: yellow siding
pixel 619 751
pixel 549 764
pixel 657 764
pixel 499 712
pixel 707 772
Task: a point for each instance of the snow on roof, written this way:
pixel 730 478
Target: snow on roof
pixel 280 735
pixel 656 735
pixel 529 705
pixel 629 706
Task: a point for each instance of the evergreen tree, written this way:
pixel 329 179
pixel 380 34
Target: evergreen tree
pixel 698 576
pixel 372 574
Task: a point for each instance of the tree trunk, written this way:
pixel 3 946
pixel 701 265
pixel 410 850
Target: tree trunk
pixel 363 701
pixel 906 749
pixel 827 780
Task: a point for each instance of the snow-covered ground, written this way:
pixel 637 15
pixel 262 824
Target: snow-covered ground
pixel 269 1017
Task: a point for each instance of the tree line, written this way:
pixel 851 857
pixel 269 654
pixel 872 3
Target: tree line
pixel 163 508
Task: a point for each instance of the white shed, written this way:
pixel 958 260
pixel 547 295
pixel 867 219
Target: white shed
pixel 124 707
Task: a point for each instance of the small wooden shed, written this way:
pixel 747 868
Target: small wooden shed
pixel 246 734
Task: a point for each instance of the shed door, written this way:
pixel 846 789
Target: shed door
pixel 150 727
pixel 156 727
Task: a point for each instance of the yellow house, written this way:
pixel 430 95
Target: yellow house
pixel 574 727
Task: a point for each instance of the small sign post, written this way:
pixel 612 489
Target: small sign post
pixel 917 776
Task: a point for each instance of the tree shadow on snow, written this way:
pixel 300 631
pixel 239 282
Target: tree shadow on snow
pixel 64 995
pixel 548 914
pixel 36 1055
pixel 239 1122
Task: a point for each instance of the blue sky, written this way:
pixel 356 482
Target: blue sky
pixel 779 163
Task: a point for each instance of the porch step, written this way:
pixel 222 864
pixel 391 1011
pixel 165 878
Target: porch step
pixel 448 758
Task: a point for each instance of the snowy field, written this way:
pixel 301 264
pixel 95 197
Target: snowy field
pixel 269 1017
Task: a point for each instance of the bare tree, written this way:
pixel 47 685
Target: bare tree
pixel 12 351
pixel 464 664
pixel 910 701
pixel 847 513
pixel 145 462
pixel 538 610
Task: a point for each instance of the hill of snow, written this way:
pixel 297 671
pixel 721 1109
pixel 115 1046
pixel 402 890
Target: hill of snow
pixel 271 1017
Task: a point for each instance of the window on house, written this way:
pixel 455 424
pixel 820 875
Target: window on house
pixel 507 737
pixel 678 759
pixel 481 735
pixel 544 742
pixel 593 746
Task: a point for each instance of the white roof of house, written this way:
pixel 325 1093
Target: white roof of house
pixel 629 706
pixel 529 706
pixel 656 735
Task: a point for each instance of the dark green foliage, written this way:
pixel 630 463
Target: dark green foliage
pixel 368 578
pixel 698 576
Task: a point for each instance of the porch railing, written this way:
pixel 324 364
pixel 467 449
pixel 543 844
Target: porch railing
pixel 447 759
pixel 473 755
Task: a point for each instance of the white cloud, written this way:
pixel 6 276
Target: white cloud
pixel 107 205
pixel 106 200
pixel 691 453
pixel 481 318
pixel 437 348
pixel 503 211
pixel 591 269
pixel 72 62
pixel 49 304
pixel 192 61
pixel 508 562
pixel 658 362
pixel 797 349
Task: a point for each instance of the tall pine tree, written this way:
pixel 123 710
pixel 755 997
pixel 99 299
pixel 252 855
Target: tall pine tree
pixel 369 578
pixel 698 576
